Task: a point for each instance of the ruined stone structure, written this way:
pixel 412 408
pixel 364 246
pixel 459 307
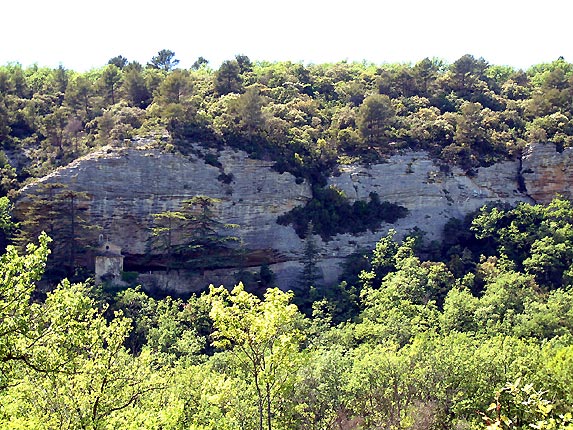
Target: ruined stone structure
pixel 108 263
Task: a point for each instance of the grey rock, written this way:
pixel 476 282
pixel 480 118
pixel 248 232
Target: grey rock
pixel 127 185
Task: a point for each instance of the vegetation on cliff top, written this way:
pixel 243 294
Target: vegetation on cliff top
pixel 306 117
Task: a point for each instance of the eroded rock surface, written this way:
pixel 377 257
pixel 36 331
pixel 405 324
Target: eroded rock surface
pixel 547 173
pixel 128 185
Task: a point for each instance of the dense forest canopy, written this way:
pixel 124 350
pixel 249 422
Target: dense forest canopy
pixel 306 117
pixel 475 332
pixel 409 343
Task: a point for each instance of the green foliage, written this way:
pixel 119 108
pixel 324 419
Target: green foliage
pixel 7 225
pixel 537 238
pixel 192 237
pixel 265 338
pixel 57 210
pixel 228 79
pixel 520 406
pixel 331 213
pixel 468 113
pixel 164 60
pixel 408 343
pixel 18 276
pixel 375 117
pixel 403 362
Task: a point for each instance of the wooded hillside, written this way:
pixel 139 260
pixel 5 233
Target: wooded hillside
pixel 475 332
pixel 306 117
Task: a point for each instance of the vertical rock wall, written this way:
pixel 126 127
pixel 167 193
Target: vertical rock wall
pixel 127 185
pixel 547 173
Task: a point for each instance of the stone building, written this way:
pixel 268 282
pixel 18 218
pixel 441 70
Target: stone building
pixel 108 263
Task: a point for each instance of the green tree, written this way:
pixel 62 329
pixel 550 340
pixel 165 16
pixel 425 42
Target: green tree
pixel 54 128
pixel 57 210
pixel 244 62
pixel 60 78
pixel 537 238
pixel 310 272
pixel 375 116
pixel 135 88
pixel 170 328
pixel 247 109
pixel 380 386
pixel 17 335
pixel 202 229
pixel 265 338
pixel 91 377
pixel 7 225
pixel 471 130
pixel 164 60
pixel 175 88
pixel 110 81
pixel 465 72
pixel 316 398
pixel 199 63
pixel 192 236
pixel 118 61
pixel 79 94
pixel 228 79
pixel 425 73
pixel 166 232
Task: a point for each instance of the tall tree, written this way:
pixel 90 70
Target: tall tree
pixel 119 61
pixel 57 210
pixel 470 128
pixel 176 88
pixel 166 233
pixel 135 88
pixel 7 225
pixel 466 71
pixel 60 78
pixel 248 110
pixel 19 274
pixel 310 272
pixel 54 127
pixel 263 335
pixel 425 73
pixel 374 118
pixel 199 63
pixel 228 79
pixel 245 63
pixel 193 235
pixel 110 81
pixel 164 60
pixel 79 96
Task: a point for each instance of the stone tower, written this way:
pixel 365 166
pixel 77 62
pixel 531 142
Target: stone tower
pixel 108 263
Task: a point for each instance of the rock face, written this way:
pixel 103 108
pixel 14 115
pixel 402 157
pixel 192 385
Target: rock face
pixel 127 185
pixel 547 172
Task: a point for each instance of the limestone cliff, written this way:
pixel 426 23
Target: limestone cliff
pixel 127 185
pixel 547 172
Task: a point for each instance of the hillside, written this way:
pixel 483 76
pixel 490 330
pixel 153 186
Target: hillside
pixel 417 219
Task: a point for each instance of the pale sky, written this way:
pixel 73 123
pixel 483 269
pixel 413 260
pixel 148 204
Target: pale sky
pixel 83 34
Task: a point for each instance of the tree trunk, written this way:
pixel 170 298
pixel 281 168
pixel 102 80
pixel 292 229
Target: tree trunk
pixel 260 400
pixel 268 392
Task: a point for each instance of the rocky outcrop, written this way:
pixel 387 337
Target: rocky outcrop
pixel 547 172
pixel 127 185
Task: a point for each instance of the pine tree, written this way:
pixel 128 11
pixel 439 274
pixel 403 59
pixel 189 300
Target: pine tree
pixel 310 275
pixel 56 210
pixel 192 234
